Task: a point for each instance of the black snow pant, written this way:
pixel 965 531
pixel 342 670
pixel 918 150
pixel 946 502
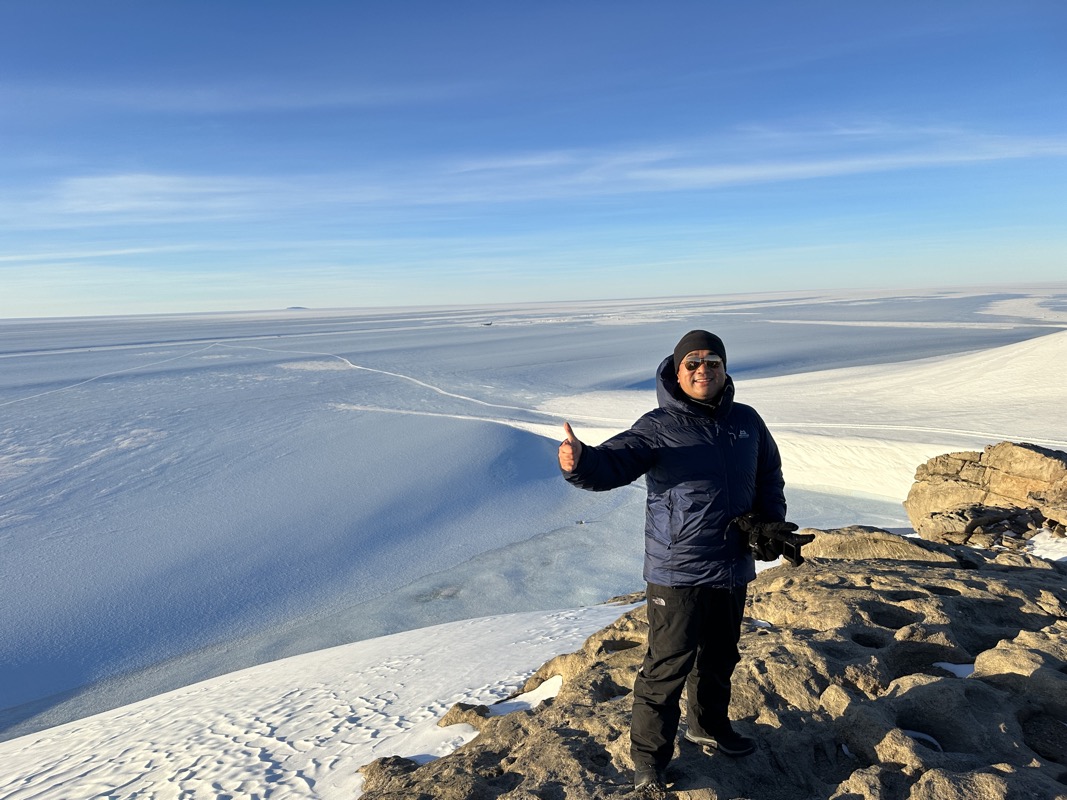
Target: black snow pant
pixel 692 642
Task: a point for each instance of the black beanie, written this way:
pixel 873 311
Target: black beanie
pixel 698 340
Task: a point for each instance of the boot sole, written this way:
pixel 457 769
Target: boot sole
pixel 711 744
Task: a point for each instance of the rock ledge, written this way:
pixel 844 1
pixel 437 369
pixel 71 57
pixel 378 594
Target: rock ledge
pixel 997 498
pixel 849 680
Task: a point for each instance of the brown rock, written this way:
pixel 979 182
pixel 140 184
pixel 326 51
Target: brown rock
pixel 465 713
pixel 861 542
pixel 839 683
pixel 958 488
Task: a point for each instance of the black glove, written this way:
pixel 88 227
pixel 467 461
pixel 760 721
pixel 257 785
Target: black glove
pixel 769 540
pixel 765 549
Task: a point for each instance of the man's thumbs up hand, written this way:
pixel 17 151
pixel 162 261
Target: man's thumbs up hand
pixel 570 450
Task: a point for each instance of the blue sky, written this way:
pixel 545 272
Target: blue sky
pixel 206 156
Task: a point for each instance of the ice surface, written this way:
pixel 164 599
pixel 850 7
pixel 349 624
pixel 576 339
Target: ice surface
pixel 187 496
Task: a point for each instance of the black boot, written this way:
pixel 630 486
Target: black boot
pixel 727 741
pixel 650 779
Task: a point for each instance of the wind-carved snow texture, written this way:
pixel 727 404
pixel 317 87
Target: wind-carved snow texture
pixel 305 730
pixel 210 495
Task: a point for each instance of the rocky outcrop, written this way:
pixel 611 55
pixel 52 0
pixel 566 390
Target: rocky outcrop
pixel 999 497
pixel 883 667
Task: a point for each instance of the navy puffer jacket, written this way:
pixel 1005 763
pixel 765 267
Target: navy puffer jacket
pixel 704 466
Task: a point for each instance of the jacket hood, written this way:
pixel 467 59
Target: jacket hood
pixel 669 394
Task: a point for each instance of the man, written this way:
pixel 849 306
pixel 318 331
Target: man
pixel 707 460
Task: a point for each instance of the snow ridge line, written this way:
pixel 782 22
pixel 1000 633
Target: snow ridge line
pixel 106 375
pixel 466 398
pixel 416 381
pixel 498 420
pixel 423 384
pixel 342 359
pixel 914 429
pixel 622 423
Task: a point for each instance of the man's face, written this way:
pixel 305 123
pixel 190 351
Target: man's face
pixel 706 381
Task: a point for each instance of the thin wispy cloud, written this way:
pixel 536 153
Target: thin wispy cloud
pixel 158 194
pixel 775 155
pixel 518 162
pixel 153 198
pixel 78 255
pixel 696 176
pixel 742 159
pixel 225 98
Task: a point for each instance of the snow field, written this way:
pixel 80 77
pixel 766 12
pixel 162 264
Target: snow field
pixel 304 481
pixel 300 727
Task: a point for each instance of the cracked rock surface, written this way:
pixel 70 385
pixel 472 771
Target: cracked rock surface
pixel 999 497
pixel 883 667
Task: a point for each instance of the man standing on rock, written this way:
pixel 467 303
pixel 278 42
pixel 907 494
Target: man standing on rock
pixel 707 460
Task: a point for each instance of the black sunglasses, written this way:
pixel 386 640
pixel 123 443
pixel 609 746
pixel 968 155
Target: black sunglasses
pixel 713 362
